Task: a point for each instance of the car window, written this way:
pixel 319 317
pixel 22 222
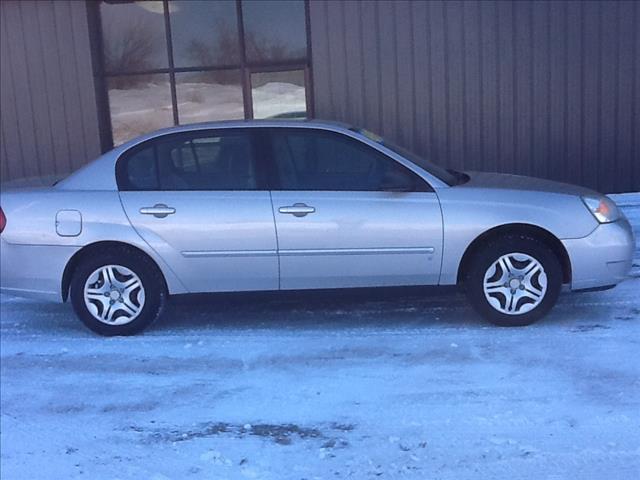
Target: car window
pixel 223 161
pixel 447 176
pixel 308 159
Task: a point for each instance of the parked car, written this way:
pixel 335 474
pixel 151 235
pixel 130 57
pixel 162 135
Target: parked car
pixel 288 205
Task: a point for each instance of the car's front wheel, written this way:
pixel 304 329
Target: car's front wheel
pixel 117 293
pixel 514 281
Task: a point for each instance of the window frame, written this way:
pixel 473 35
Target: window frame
pixel 265 142
pixel 246 68
pixel 261 170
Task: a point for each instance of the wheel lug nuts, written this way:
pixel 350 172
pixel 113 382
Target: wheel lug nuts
pixel 521 287
pixel 111 302
pixel 106 294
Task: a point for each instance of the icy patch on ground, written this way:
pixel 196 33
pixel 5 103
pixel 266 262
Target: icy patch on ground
pixel 409 385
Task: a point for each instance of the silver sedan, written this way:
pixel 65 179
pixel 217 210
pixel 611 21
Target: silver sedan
pixel 289 205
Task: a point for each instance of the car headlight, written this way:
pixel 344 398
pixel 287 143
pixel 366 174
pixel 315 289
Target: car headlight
pixel 603 208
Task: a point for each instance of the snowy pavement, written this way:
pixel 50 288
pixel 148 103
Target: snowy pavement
pixel 406 385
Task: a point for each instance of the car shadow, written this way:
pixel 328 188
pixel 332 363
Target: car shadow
pixel 352 308
pixel 394 308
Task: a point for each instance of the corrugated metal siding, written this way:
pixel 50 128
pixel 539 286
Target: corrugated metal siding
pixel 48 113
pixel 545 88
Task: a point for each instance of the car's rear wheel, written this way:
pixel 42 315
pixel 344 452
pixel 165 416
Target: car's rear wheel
pixel 117 293
pixel 514 281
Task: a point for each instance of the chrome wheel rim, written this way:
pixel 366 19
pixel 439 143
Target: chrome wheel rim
pixel 114 295
pixel 515 284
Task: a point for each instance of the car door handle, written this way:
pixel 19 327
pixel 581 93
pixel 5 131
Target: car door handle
pixel 297 210
pixel 159 210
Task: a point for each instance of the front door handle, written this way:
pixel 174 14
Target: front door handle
pixel 297 210
pixel 159 210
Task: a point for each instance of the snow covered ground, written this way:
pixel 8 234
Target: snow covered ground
pixel 395 385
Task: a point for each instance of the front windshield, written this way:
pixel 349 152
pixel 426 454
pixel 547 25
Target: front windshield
pixel 447 176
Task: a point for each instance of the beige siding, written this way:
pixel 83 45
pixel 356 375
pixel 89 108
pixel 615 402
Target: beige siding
pixel 545 88
pixel 49 122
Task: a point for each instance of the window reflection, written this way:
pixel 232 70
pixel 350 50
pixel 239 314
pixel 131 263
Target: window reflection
pixel 278 94
pixel 207 96
pixel 274 30
pixel 139 104
pixel 204 33
pixel 213 78
pixel 133 36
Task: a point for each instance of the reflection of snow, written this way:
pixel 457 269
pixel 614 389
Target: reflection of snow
pixel 202 102
pixel 148 107
pixel 276 98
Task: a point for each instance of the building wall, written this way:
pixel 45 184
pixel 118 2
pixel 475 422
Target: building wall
pixel 541 88
pixel 48 117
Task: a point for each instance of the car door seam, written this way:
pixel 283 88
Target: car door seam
pixel 275 226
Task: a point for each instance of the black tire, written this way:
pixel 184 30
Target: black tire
pixel 149 275
pixel 496 248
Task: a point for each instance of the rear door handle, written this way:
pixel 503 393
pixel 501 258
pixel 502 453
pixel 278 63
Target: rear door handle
pixel 297 210
pixel 159 210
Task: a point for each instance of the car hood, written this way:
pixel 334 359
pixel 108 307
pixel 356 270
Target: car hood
pixel 501 181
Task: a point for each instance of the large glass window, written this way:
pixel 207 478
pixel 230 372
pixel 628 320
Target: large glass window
pixel 169 62
pixel 202 161
pixel 319 161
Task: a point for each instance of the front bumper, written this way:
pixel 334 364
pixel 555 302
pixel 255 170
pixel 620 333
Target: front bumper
pixel 33 271
pixel 602 258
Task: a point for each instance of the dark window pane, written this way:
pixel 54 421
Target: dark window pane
pixel 133 36
pixel 139 104
pixel 198 161
pixel 204 33
pixel 308 160
pixel 274 30
pixel 207 96
pixel 141 172
pixel 223 162
pixel 278 94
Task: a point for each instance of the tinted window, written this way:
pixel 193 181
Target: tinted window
pixel 317 160
pixel 202 162
pixel 436 170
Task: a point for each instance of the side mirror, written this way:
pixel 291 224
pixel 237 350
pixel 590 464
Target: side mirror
pixel 397 181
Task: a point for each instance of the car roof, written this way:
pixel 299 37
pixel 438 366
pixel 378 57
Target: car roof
pixel 251 124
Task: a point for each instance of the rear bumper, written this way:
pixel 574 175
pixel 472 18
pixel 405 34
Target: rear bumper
pixel 602 258
pixel 33 271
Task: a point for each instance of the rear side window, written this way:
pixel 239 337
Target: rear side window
pixel 308 159
pixel 183 162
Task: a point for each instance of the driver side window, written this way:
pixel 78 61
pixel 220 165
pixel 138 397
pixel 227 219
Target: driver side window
pixel 317 160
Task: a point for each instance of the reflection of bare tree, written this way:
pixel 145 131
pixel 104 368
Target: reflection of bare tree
pixel 225 51
pixel 260 49
pixel 130 50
